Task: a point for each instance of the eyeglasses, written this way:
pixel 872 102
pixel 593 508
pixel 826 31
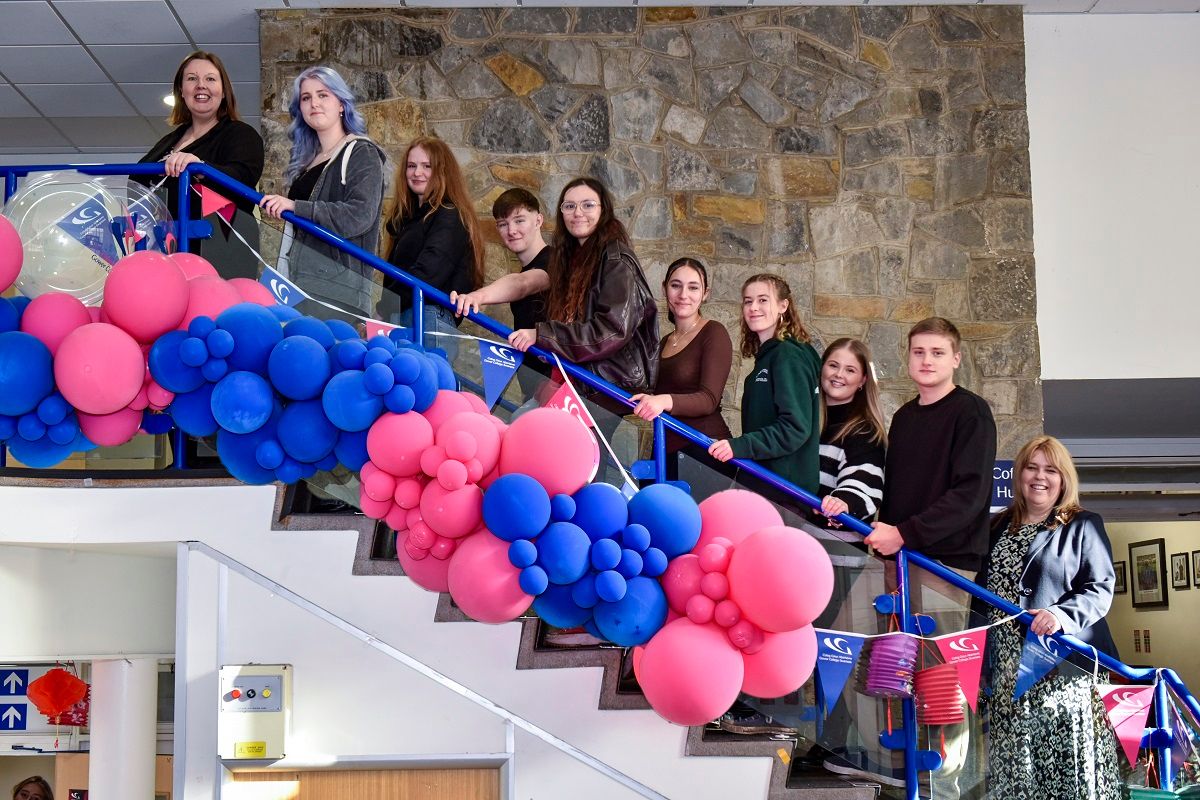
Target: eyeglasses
pixel 587 206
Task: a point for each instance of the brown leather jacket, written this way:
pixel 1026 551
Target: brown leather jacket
pixel 618 336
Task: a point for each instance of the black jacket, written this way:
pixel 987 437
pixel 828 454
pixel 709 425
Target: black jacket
pixel 433 247
pixel 231 146
pixel 617 339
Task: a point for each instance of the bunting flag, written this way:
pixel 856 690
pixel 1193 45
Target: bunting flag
pixel 837 653
pixel 1181 735
pixel 965 651
pixel 499 365
pixel 286 292
pixel 89 224
pixel 212 202
pixel 1039 655
pixel 375 327
pixel 1127 708
pixel 566 399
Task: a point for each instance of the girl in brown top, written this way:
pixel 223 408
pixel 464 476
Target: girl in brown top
pixel 694 359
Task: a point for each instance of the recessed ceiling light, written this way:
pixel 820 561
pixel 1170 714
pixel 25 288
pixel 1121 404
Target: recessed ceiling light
pixel 169 100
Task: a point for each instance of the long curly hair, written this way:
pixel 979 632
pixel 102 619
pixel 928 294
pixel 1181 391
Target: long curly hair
pixel 305 143
pixel 866 415
pixel 447 187
pixel 573 265
pixel 789 323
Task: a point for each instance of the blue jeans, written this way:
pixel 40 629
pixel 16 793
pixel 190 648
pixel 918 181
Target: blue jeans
pixel 435 318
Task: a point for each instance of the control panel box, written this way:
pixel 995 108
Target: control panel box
pixel 255 711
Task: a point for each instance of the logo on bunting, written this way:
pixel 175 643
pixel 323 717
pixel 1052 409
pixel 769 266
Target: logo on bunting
pixel 566 399
pixel 965 651
pixel 91 226
pixel 1039 655
pixel 837 653
pixel 286 292
pixel 499 364
pixel 1127 708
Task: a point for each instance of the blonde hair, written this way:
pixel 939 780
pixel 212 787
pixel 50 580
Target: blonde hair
pixel 1067 505
pixel 789 322
pixel 866 415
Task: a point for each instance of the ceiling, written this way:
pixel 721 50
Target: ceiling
pixel 89 76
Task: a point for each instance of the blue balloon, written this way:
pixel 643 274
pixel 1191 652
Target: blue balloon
pixel 400 399
pixel 242 402
pixel 341 329
pixel 671 516
pixel 401 336
pixel 533 580
pixel 654 562
pixel 636 537
pixel 289 471
pixel 522 553
pixel 348 404
pixel 590 627
pixel 214 369
pixel 43 453
pixel 631 563
pixel 583 593
pixel 562 507
pixel 268 454
pixel 378 378
pixel 8 427
pixel 167 367
pixel 516 507
pixel 327 463
pixel 376 355
pixel 238 452
pixel 200 327
pixel 65 432
pixel 305 433
pixel 20 303
pixel 349 354
pixel 610 586
pixel 606 554
pixel 311 327
pixel 192 411
pixel 636 617
pixel 307 470
pixel 406 366
pixel 30 427
pixel 26 373
pixel 53 409
pixel 299 367
pixel 446 379
pixel 10 318
pixel 351 449
pixel 425 387
pixel 601 510
pixel 219 343
pixel 255 332
pixel 284 313
pixel 557 608
pixel 155 422
pixel 381 342
pixel 563 552
pixel 193 352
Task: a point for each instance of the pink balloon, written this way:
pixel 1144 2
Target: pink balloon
pixel 395 519
pixel 208 296
pixel 99 369
pixel 452 475
pixel 146 295
pixel 375 509
pixel 690 673
pixel 251 291
pixel 158 397
pixel 734 514
pixel 408 493
pixel 432 574
pixel 193 266
pixel 379 485
pixel 51 316
pixel 553 448
pixel 484 583
pixel 395 442
pixel 445 405
pixel 110 430
pixel 11 254
pixel 681 581
pixel 477 404
pixel 781 578
pixel 479 430
pixel 700 609
pixel 784 663
pixel 452 513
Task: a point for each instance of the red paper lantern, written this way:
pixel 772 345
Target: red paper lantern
pixel 56 692
pixel 939 695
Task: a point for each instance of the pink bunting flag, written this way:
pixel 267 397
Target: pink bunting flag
pixel 965 651
pixel 566 399
pixel 212 202
pixel 1127 708
pixel 375 327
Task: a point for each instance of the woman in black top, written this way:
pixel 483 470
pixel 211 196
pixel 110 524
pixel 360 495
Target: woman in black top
pixel 208 130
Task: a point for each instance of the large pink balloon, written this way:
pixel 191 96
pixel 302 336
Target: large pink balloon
pixel 51 316
pixel 453 514
pixel 208 296
pixel 477 404
pixel 395 442
pixel 482 432
pixel 193 266
pixel 681 581
pixel 690 673
pixel 734 514
pixel 146 295
pixel 445 405
pixel 110 430
pixel 11 253
pixel 251 291
pixel 782 665
pixel 781 578
pixel 99 368
pixel 483 582
pixel 428 572
pixel 553 448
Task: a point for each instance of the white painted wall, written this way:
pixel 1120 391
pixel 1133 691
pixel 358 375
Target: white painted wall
pixel 1114 114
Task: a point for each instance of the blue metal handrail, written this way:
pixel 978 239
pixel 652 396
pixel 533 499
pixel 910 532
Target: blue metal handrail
pixel 663 423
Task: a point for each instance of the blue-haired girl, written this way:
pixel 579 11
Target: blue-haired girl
pixel 335 179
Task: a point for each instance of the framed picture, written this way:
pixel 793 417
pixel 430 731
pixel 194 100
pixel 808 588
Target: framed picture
pixel 1121 587
pixel 1181 577
pixel 1148 572
pixel 1196 568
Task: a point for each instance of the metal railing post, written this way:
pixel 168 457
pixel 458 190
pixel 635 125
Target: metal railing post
pixel 418 316
pixel 660 450
pixel 1162 733
pixel 911 779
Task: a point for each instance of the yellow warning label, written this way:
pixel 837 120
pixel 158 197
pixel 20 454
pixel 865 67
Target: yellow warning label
pixel 249 749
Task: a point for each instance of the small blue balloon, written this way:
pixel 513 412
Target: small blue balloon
pixel 30 427
pixel 193 352
pixel 556 607
pixel 636 537
pixel 610 586
pixel 583 593
pixel 446 379
pixel 284 313
pixel 299 367
pixel 401 336
pixel 10 319
pixel 255 332
pixel 425 387
pixel 562 507
pixel 242 402
pixel 563 552
pixel 268 454
pixel 220 343
pixel 20 303
pixel 155 422
pixel 167 367
pixel 8 427
pixel 671 516
pixel 381 342
pixel 351 449
pixel 601 510
pixel 522 553
pixel 328 463
pixel 406 366
pixel 590 627
pixel 307 470
pixel 348 404
pixel 26 373
pixel 239 452
pixel 636 616
pixel 631 563
pixel 304 431
pixel 53 409
pixel 654 562
pixel 289 471
pixel 533 580
pixel 349 354
pixel 201 327
pixel 377 355
pixel 341 329
pixel 65 432
pixel 606 554
pixel 214 369
pixel 400 399
pixel 192 411
pixel 43 453
pixel 516 507
pixel 378 378
pixel 311 327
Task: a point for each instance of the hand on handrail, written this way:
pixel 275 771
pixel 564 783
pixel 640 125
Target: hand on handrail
pixel 885 538
pixel 275 204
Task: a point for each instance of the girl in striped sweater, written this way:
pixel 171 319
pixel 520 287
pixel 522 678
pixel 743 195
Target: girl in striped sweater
pixel 853 436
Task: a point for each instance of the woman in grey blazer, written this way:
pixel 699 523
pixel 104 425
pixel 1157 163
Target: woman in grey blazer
pixel 1052 558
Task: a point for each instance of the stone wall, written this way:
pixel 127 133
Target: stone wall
pixel 876 157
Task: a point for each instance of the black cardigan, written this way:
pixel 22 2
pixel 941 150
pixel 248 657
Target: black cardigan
pixel 231 146
pixel 433 247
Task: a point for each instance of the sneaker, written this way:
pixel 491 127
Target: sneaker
pixel 859 766
pixel 756 723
